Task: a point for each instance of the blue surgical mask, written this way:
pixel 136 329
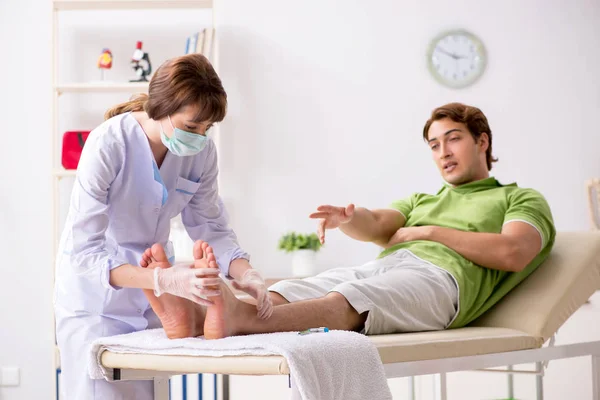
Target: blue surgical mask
pixel 183 143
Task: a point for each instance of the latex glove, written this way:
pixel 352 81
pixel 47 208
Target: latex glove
pixel 253 284
pixel 184 280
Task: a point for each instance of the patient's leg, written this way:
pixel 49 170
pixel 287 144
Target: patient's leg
pixel 230 316
pixel 277 299
pixel 180 317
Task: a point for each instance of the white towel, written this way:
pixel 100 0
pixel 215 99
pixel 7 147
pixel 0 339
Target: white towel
pixel 325 366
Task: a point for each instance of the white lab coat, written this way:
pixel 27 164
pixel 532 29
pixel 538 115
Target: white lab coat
pixel 121 204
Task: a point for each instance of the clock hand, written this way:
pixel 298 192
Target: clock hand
pixel 454 56
pixel 442 50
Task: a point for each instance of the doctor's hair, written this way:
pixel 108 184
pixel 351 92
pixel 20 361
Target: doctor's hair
pixel 472 117
pixel 179 82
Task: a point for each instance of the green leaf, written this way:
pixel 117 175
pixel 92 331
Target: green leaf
pixel 293 241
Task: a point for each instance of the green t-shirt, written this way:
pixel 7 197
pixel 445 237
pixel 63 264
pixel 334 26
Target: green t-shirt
pixel 481 206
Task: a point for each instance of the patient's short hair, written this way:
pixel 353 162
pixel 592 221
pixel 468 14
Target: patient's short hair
pixel 472 117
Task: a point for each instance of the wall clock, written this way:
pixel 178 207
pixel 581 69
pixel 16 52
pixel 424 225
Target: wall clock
pixel 456 58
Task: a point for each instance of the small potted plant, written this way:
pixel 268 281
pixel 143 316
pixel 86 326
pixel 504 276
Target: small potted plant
pixel 304 249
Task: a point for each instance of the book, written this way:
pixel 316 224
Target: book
pixel 200 42
pixel 191 43
pixel 208 48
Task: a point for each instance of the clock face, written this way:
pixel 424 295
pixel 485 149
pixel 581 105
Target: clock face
pixel 456 58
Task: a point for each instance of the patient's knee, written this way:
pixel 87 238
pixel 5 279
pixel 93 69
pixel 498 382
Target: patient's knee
pixel 350 319
pixel 338 298
pixel 277 299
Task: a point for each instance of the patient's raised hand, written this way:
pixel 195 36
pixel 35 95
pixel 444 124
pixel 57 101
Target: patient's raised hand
pixel 331 217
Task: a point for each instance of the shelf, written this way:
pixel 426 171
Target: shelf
pixel 128 4
pixel 63 173
pixel 102 87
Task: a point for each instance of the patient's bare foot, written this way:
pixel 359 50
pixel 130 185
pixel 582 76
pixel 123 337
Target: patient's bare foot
pixel 215 326
pixel 227 316
pixel 203 249
pixel 180 317
pixel 204 256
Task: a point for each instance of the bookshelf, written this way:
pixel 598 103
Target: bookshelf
pixel 133 87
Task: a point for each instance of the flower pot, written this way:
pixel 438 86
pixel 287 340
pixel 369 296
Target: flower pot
pixel 304 263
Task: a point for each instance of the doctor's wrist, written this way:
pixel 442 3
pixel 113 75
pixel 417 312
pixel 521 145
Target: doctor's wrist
pixel 156 282
pixel 238 267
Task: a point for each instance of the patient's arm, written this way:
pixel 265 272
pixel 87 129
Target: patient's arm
pixel 511 250
pixel 375 226
pixel 359 223
pixel 409 234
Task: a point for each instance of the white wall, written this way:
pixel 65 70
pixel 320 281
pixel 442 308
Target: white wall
pixel 327 103
pixel 25 216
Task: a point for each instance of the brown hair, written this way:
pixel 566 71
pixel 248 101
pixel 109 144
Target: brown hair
pixel 472 117
pixel 182 81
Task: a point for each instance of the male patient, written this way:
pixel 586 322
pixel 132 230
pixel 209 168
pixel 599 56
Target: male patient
pixel 447 257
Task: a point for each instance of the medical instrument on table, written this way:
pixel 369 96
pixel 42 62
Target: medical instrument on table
pixel 313 330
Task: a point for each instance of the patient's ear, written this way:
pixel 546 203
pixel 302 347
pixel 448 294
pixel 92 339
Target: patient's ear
pixel 484 141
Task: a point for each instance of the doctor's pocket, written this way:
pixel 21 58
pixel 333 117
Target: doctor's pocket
pixel 185 190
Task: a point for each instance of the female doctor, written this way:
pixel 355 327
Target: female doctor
pixel 148 162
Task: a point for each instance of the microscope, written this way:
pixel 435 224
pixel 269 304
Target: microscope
pixel 140 62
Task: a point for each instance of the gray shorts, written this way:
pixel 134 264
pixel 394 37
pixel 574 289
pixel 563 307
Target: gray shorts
pixel 401 293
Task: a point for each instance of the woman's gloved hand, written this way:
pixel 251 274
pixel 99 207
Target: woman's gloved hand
pixel 184 280
pixel 252 283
